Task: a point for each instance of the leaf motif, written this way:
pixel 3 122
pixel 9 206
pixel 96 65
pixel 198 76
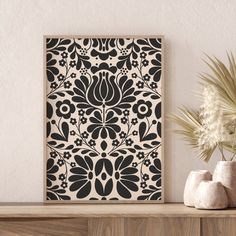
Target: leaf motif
pixel 75 150
pixel 85 151
pixel 150 136
pixel 159 129
pixel 137 147
pixel 131 150
pixel 60 146
pixel 147 145
pixel 65 130
pixel 114 154
pixel 142 130
pixel 58 137
pixel 52 143
pixel 121 151
pixel 93 154
pixel 155 143
pixel 52 97
pixel 70 147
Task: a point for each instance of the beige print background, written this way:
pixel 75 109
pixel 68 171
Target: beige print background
pixel 190 28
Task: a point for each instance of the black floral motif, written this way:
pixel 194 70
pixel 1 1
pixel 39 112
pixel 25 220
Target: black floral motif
pixel 104 118
pixel 104 91
pixel 156 170
pixel 142 109
pixel 125 176
pixel 103 128
pixel 52 70
pixel 82 176
pixel 156 69
pixel 51 170
pixel 64 109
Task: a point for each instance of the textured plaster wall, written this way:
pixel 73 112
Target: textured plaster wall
pixel 190 28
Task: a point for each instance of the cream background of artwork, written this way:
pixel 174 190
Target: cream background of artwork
pixel 190 29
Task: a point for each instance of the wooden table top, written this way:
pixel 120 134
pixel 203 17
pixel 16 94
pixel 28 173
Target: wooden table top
pixel 36 210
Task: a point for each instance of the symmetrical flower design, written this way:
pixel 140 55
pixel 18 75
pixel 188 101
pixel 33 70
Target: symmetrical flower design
pixel 104 118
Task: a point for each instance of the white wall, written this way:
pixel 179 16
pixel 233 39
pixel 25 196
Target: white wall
pixel 190 28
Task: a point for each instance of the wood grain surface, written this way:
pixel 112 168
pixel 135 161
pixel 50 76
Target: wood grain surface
pixel 162 226
pixel 108 210
pixel 218 227
pixel 41 227
pixel 106 227
pixel 114 220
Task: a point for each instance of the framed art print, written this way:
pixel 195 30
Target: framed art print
pixel 103 119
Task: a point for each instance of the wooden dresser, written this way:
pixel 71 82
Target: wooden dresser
pixel 114 220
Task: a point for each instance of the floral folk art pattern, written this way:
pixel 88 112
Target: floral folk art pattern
pixel 104 118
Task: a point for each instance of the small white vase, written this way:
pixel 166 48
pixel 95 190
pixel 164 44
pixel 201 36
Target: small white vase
pixel 192 182
pixel 225 172
pixel 210 195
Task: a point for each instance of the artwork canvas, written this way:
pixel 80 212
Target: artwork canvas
pixel 103 119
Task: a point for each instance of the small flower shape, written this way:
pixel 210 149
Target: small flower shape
pixel 67 84
pixel 153 85
pixel 142 109
pixel 143 185
pixel 145 62
pixel 129 142
pixel 83 71
pixel 62 177
pixel 53 154
pixel 115 142
pixel 84 134
pixel 124 71
pixel 134 121
pixel 53 85
pixel 73 75
pixel 122 134
pixel 124 51
pixel 78 142
pixel 146 77
pixel 154 154
pixel 147 162
pixel 123 120
pixel 126 112
pixel 60 77
pixel 72 63
pixel 83 120
pixel 83 51
pixel 81 112
pixel 92 142
pixel 72 132
pixel 72 164
pixel 140 84
pixel 135 132
pixel 73 121
pixel 65 109
pixel 134 164
pixel 140 155
pixel 64 54
pixel 67 155
pixel 64 185
pixel 143 55
pixel 134 75
pixel 60 162
pixel 62 62
pixel 145 177
pixel 134 63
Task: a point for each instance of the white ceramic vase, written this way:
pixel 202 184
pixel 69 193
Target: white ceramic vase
pixel 194 179
pixel 225 172
pixel 210 195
